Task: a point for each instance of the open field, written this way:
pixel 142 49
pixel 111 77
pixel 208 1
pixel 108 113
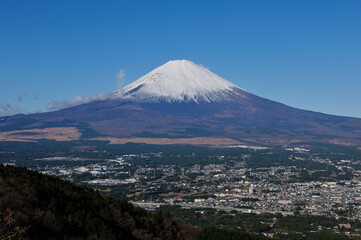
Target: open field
pixel 198 141
pixel 29 135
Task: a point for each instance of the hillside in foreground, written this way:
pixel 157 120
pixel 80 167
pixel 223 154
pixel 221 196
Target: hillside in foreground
pixel 36 206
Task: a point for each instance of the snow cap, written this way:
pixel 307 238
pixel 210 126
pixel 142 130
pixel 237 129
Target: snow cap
pixel 179 81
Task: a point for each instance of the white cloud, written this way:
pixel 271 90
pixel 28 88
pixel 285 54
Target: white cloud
pixel 6 109
pixel 59 104
pixel 120 78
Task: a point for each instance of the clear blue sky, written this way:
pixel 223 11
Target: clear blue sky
pixel 306 54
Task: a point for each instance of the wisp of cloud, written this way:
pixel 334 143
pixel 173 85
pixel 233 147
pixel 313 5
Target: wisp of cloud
pixel 59 104
pixel 120 78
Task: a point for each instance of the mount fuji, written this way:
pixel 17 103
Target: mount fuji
pixel 181 102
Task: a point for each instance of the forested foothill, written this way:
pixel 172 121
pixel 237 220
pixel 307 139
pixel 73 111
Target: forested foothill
pixel 36 206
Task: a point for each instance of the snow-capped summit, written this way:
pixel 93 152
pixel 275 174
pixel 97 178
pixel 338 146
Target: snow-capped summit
pixel 180 81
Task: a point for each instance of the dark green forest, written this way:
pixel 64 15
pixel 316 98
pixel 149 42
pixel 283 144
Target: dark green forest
pixel 36 206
